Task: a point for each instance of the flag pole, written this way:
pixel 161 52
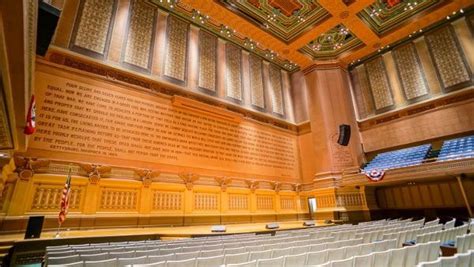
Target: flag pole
pixel 57 232
pixel 64 199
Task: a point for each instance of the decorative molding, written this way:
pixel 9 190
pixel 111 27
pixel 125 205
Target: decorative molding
pixel 189 179
pixel 147 176
pixel 26 166
pixel 441 102
pixel 223 182
pixel 95 171
pixel 253 185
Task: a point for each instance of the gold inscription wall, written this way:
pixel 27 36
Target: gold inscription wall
pixel 92 121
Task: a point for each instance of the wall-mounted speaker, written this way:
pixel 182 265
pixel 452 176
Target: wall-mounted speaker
pixel 272 226
pixel 218 228
pixel 344 134
pixel 48 17
pixel 34 227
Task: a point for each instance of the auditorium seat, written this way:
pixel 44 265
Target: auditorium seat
pixel 295 260
pixel 74 264
pixel 94 257
pixel 274 262
pixel 129 261
pixel 64 259
pixel 236 258
pixel 103 263
pixel 343 263
pixel 450 224
pixel 158 258
pixel 364 260
pixel 255 255
pixel 399 158
pixel 210 261
pixel 465 242
pixel 458 260
pixel 459 148
pixel 181 263
pixel 315 258
pixel 155 264
pixel 244 264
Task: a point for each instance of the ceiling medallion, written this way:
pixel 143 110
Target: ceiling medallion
pixel 331 43
pixel 285 19
pixel 384 15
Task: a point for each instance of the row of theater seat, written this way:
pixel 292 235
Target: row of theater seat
pixel 459 148
pixel 290 246
pixel 465 259
pixel 399 158
pixel 406 256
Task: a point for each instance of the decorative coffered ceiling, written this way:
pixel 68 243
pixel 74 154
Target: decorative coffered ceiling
pixel 384 15
pixel 331 43
pixel 287 32
pixel 285 19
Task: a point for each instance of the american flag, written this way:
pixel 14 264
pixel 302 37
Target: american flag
pixel 65 199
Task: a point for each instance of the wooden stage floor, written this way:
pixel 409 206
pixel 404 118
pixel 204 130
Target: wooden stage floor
pixel 163 232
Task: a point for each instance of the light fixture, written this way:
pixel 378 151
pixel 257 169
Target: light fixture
pixel 199 17
pixel 169 3
pixel 226 31
pixel 410 4
pixel 270 54
pixel 249 43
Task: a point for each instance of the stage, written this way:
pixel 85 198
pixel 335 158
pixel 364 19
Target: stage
pixel 165 233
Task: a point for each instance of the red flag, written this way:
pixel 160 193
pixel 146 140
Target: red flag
pixel 65 199
pixel 31 118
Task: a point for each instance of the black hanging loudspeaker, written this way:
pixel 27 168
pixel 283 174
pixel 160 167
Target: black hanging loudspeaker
pixel 344 134
pixel 34 227
pixel 48 17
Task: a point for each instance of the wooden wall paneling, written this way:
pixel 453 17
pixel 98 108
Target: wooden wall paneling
pixel 159 41
pixel 124 26
pixel 458 199
pixel 447 194
pixel 64 29
pixel 406 196
pixel 437 197
pixel 391 71
pixel 416 196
